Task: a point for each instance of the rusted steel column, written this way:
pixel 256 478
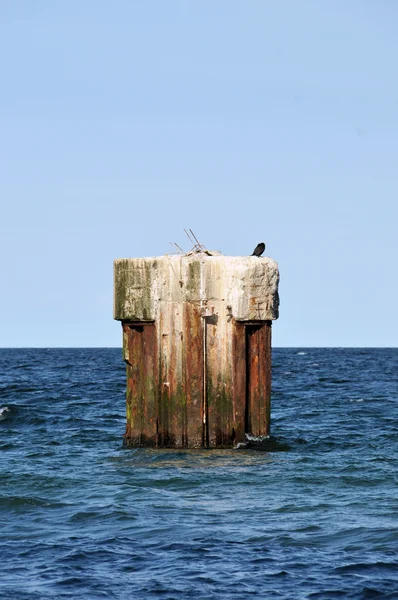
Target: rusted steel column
pixel 141 403
pixel 194 374
pixel 268 374
pixel 172 429
pixel 219 385
pixel 258 378
pixel 239 379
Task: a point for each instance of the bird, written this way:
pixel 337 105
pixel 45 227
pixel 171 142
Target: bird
pixel 259 249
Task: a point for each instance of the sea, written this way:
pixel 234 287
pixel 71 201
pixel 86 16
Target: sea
pixel 312 516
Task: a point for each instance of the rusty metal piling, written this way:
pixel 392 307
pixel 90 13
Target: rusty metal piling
pixel 197 348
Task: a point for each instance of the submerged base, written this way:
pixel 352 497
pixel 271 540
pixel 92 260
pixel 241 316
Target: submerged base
pixel 262 443
pixel 129 442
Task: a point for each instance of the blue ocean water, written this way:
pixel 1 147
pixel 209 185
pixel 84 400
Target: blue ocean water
pixel 82 518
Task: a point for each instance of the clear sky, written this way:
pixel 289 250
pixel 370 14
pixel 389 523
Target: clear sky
pixel 247 120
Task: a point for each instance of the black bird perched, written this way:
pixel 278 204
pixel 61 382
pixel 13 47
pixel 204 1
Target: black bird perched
pixel 259 249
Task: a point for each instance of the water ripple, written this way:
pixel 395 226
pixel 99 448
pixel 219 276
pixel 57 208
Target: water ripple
pixel 311 515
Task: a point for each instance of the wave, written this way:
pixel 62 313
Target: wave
pixel 262 442
pixel 3 412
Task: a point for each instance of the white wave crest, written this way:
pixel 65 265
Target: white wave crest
pixel 253 440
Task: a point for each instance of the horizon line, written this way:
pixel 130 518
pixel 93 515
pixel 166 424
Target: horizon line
pixel 121 347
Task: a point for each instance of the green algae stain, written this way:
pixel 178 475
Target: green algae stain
pixel 194 271
pixel 133 282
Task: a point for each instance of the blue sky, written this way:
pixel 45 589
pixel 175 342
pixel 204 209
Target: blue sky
pixel 124 122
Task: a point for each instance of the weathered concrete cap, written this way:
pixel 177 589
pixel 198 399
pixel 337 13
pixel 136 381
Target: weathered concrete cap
pixel 247 285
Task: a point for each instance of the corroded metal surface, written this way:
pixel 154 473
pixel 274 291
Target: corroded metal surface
pixel 194 376
pixel 219 392
pixel 239 379
pixel 198 368
pixel 258 378
pixel 185 390
pixel 141 397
